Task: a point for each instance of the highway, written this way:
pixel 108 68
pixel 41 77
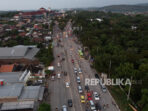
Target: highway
pixel 65 47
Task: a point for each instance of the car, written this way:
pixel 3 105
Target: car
pixel 89 96
pixel 80 71
pixel 98 106
pixel 58 64
pixel 72 61
pixel 58 55
pixel 92 105
pixel 97 76
pixel 75 70
pixel 96 96
pixel 64 108
pixel 80 89
pixel 82 98
pixel 67 84
pixel 86 88
pixel 65 73
pixel 59 75
pixel 70 102
pixel 63 59
pixel 78 80
pixel 87 110
pixel 52 78
pixel 103 87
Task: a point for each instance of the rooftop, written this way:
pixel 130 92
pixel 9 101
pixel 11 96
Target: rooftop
pixel 11 77
pixel 11 91
pixel 17 105
pixel 21 92
pixel 18 52
pixel 32 92
pixel 6 68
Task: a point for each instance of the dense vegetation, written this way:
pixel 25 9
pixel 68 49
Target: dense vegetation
pixel 118 49
pixel 125 8
pixel 44 107
pixel 8 14
pixel 46 55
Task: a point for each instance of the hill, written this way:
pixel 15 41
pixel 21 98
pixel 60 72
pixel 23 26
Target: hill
pixel 125 8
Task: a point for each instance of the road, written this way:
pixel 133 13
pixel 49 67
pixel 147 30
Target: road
pixel 59 94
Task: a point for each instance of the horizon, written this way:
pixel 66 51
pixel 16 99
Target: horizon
pixel 56 5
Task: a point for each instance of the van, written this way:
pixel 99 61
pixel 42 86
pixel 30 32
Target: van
pixel 92 105
pixel 64 108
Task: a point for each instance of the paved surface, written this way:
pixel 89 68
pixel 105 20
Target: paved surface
pixel 59 94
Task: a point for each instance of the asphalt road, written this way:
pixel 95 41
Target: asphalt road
pixel 59 94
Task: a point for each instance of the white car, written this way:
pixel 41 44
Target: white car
pixel 78 80
pixel 52 77
pixel 80 89
pixel 58 64
pixel 67 84
pixel 64 108
pixel 96 96
pixel 75 70
pixel 59 75
pixel 80 71
pixel 92 105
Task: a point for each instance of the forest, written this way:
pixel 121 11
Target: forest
pixel 119 47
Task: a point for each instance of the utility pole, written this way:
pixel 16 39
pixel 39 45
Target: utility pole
pixel 129 91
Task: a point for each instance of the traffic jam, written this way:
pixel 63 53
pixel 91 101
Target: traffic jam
pixel 89 99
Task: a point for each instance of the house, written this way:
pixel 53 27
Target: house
pixel 16 17
pixel 22 34
pixel 47 38
pixel 133 27
pixel 1 28
pixel 98 19
pixel 38 39
pixel 19 54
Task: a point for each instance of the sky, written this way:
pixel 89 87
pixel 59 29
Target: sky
pixel 58 4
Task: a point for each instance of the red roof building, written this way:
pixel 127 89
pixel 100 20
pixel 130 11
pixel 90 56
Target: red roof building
pixel 39 13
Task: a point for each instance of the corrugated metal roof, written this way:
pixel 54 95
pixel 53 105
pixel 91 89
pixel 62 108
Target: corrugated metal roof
pixel 17 105
pixel 11 77
pixel 18 52
pixel 8 91
pixel 32 92
pixel 41 93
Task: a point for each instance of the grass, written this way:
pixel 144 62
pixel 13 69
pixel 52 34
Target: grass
pixel 120 98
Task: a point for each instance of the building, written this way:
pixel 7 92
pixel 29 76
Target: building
pixel 14 77
pixel 18 97
pixel 18 54
pixel 42 12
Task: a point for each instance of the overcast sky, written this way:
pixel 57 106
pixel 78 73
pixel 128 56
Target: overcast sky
pixel 36 4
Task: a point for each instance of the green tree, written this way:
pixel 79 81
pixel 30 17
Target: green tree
pixel 144 100
pixel 125 70
pixel 44 107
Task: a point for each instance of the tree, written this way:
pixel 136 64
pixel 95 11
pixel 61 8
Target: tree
pixel 144 100
pixel 125 70
pixel 44 107
pixel 48 72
